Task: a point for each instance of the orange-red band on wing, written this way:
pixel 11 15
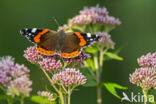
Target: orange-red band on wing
pixel 82 40
pixel 44 51
pixel 70 55
pixel 37 37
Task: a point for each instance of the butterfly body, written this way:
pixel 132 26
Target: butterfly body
pixel 65 44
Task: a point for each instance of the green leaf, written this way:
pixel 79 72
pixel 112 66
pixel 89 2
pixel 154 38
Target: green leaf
pixel 113 56
pixel 111 87
pixel 41 100
pixel 91 64
pixel 115 51
pixel 118 50
pixel 92 49
pixel 91 82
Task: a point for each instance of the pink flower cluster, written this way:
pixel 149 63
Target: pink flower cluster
pixel 94 15
pixel 93 10
pixel 83 56
pixel 148 60
pixel 15 77
pixel 6 69
pixel 144 77
pixel 69 77
pixel 20 85
pixel 19 70
pixel 51 62
pixel 105 40
pixel 32 55
pixel 49 96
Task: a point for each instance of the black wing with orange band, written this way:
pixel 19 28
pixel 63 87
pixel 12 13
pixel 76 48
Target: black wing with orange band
pixel 43 38
pixel 86 38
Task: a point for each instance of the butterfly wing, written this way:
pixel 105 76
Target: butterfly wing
pixel 34 34
pixel 73 42
pixel 44 38
pixel 67 44
pixel 48 43
pixel 70 47
pixel 86 38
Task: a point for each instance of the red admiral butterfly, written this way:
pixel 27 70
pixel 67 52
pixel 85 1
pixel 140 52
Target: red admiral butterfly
pixel 65 44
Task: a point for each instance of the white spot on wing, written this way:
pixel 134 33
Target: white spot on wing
pixel 96 35
pixel 91 39
pixel 33 30
pixel 29 34
pixel 88 34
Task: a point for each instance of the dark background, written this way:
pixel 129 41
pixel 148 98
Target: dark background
pixel 137 34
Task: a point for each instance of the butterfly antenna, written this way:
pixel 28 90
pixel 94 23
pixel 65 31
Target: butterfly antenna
pixel 56 21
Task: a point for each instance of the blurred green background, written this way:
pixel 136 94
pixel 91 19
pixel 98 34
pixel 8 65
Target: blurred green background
pixel 137 34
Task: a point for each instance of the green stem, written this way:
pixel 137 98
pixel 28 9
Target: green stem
pixel 90 71
pixel 69 96
pixel 99 95
pixel 22 101
pixel 64 89
pixel 101 59
pixel 96 64
pixel 145 95
pixel 99 75
pixel 65 99
pixel 61 98
pixel 59 92
pixel 64 65
pixel 50 80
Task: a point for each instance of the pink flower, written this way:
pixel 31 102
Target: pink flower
pixel 32 55
pixel 105 40
pixel 19 71
pixel 47 95
pixel 94 10
pixel 50 63
pixel 81 19
pixel 69 77
pixel 78 59
pixel 6 68
pixel 19 86
pixel 94 15
pixel 144 77
pixel 15 77
pixel 147 60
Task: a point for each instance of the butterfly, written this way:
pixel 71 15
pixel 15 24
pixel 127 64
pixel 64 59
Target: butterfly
pixel 65 44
